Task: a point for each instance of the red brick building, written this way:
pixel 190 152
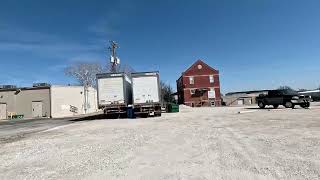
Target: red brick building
pixel 199 86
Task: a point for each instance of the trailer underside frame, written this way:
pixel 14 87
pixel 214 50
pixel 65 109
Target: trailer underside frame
pixel 115 110
pixel 145 110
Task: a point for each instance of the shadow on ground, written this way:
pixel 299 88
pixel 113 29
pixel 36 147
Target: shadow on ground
pixel 88 118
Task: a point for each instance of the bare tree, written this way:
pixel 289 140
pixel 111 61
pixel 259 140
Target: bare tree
pixel 285 88
pixel 84 73
pixel 166 93
pixel 302 89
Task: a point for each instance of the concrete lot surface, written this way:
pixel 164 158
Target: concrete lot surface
pixel 199 143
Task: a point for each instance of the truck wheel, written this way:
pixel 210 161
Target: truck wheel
pixel 144 115
pixel 308 104
pixel 261 105
pixel 305 105
pixel 288 104
pixel 275 106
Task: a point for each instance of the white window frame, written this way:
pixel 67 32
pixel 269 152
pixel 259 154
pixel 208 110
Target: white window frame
pixel 211 79
pixel 191 80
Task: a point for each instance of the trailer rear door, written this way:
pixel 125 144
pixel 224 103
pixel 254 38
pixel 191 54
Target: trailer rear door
pixel 145 89
pixel 110 90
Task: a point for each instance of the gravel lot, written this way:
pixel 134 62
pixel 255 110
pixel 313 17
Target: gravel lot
pixel 198 143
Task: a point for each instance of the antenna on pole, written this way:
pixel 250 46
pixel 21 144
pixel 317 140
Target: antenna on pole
pixel 114 60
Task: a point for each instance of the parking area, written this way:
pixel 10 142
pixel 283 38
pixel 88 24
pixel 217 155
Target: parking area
pixel 197 143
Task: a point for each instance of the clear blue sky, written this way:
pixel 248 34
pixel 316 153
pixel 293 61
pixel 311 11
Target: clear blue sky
pixel 256 44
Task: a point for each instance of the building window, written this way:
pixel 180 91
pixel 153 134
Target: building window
pixel 192 91
pixel 191 80
pixel 211 79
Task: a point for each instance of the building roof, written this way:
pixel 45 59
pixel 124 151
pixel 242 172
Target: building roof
pixel 246 92
pixel 40 87
pixel 199 61
pixel 24 88
pixel 310 91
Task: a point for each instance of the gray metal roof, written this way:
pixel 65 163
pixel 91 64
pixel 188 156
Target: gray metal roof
pixel 246 92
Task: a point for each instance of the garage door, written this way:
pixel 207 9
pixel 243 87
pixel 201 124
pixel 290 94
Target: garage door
pixel 3 111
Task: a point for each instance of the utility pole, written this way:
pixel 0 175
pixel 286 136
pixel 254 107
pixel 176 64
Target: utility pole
pixel 114 60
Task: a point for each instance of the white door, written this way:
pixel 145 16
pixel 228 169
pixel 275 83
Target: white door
pixel 3 111
pixel 36 109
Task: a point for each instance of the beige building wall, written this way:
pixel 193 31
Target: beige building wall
pixel 20 101
pixel 8 98
pixel 239 100
pixel 25 98
pixel 92 103
pixel 65 98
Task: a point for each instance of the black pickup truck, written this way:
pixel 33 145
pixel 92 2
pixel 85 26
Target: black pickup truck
pixel 287 98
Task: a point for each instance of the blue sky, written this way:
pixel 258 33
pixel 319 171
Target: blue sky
pixel 256 44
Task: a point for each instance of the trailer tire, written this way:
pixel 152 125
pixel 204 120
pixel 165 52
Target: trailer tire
pixel 144 115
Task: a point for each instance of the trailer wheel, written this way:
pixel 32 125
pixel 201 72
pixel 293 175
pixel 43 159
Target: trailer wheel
pixel 144 115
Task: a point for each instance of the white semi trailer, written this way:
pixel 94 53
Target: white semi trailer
pixel 146 94
pixel 114 93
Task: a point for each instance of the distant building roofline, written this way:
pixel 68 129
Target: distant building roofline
pixel 24 88
pixel 309 91
pixel 247 92
pixel 37 88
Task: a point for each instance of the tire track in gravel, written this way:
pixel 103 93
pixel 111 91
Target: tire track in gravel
pixel 236 154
